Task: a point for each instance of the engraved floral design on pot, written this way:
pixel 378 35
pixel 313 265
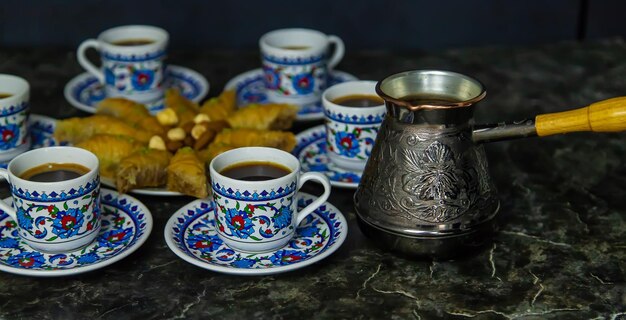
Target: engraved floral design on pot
pixel 436 183
pixel 433 175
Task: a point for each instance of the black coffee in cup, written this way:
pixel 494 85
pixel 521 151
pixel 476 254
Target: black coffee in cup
pixel 255 171
pixel 359 100
pixel 53 172
pixel 132 42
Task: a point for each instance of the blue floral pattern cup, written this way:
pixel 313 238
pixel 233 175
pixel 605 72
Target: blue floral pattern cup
pixel 58 216
pixel 14 112
pixel 351 131
pixel 260 216
pixel 296 64
pixel 135 72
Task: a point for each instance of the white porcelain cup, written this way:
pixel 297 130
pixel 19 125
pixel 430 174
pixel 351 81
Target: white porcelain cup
pixel 260 216
pixel 14 112
pixel 135 72
pixel 351 131
pixel 58 216
pixel 296 63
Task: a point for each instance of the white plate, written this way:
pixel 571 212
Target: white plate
pixel 250 89
pixel 84 91
pixel 311 151
pixel 126 224
pixel 41 130
pixel 190 234
pixel 162 192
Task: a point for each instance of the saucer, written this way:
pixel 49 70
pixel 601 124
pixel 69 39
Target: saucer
pixel 41 130
pixel 146 191
pixel 85 91
pixel 250 89
pixel 126 224
pixel 311 151
pixel 191 234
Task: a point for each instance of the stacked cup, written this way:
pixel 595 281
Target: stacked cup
pixel 14 111
pixel 255 194
pixel 353 114
pixel 296 64
pixel 56 197
pixel 132 61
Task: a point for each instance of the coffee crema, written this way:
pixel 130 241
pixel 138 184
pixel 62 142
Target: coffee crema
pixel 132 42
pixel 359 100
pixel 295 47
pixel 255 171
pixel 54 172
pixel 4 95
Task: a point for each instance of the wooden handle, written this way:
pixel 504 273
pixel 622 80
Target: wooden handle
pixel 603 116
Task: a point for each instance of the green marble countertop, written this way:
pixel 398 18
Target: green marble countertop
pixel 560 252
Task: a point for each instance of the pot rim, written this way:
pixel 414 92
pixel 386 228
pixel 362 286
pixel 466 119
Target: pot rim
pixel 445 105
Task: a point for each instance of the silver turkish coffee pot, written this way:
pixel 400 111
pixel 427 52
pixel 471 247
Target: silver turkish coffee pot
pixel 426 189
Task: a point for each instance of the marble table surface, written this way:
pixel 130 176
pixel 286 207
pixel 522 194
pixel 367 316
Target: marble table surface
pixel 560 252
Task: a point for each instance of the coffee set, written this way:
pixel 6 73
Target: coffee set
pixel 407 144
pixel 132 66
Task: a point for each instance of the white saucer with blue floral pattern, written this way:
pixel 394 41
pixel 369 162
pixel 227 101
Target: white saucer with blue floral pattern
pixel 85 91
pixel 126 224
pixel 190 233
pixel 251 89
pixel 311 151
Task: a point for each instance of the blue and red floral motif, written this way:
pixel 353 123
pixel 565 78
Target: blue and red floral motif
pixel 239 223
pixel 195 234
pixel 285 257
pixel 123 223
pixel 303 83
pixel 204 242
pixel 132 77
pixel 9 136
pixel 355 144
pixel 143 79
pixel 272 78
pixel 67 223
pixel 115 238
pixel 256 221
pixel 347 144
pixel 27 260
pixel 294 80
pixel 58 220
pixel 312 151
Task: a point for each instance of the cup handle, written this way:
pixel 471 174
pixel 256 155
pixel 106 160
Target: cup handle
pixel 339 51
pixel 85 63
pixel 321 178
pixel 3 206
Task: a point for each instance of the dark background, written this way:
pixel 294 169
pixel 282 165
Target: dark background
pixel 367 24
